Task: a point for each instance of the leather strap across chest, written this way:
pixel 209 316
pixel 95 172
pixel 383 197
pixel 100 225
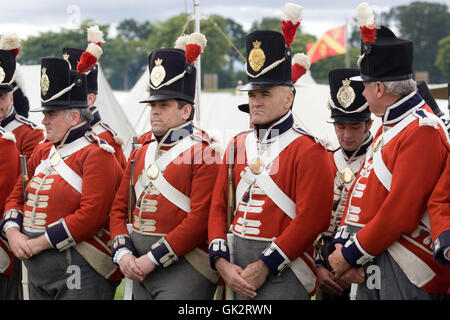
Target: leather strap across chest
pixel 263 180
pixel 164 187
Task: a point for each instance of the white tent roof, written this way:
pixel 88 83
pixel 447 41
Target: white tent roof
pixel 110 109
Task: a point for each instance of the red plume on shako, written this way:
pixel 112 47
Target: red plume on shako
pixel 366 21
pixel 195 43
pixel 93 51
pixel 300 64
pixel 293 15
pixel 10 41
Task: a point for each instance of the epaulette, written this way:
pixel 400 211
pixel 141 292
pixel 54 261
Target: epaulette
pixel 427 118
pixel 242 132
pixel 213 143
pixel 119 140
pixel 7 135
pixel 301 130
pixel 28 122
pixel 101 143
pixel 323 141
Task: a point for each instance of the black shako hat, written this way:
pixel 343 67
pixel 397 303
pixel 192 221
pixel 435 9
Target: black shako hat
pixel 7 70
pixel 171 76
pixel 61 87
pixel 346 101
pixel 269 61
pixel 73 55
pixel 388 58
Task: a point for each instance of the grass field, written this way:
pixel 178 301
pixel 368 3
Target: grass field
pixel 119 291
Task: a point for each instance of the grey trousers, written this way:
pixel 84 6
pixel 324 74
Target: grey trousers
pixel 179 281
pixel 285 286
pixel 385 280
pixel 66 275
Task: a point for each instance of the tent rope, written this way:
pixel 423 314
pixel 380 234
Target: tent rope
pixel 228 39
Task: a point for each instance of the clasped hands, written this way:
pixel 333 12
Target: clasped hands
pixel 243 281
pixel 342 270
pixel 136 268
pixel 22 246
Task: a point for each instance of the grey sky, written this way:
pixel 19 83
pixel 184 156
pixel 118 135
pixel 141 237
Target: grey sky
pixel 30 17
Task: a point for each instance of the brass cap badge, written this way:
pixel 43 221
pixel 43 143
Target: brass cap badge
pixel 256 58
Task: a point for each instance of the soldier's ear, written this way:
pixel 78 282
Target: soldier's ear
pixel 75 117
pixel 186 111
pixel 379 88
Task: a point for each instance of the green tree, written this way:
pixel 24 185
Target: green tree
pixel 125 57
pixel 218 55
pixel 50 44
pixel 443 56
pixel 425 24
pixel 130 29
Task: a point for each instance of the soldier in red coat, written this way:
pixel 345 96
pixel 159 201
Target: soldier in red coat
pixel 101 129
pixel 385 229
pixel 282 186
pixel 9 172
pixel 350 116
pixel 27 133
pixel 172 178
pixel 60 227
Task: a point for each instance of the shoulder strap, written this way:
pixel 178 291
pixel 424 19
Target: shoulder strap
pixel 13 125
pixel 167 190
pixel 263 180
pixel 55 161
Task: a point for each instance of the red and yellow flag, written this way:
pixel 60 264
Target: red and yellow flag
pixel 332 43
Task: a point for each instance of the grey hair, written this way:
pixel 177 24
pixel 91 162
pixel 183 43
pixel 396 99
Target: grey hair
pixel 85 114
pixel 400 88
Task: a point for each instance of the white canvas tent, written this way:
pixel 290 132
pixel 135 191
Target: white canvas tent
pixel 110 109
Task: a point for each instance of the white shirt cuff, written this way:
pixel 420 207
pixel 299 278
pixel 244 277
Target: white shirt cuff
pixel 120 253
pixel 10 224
pixel 152 257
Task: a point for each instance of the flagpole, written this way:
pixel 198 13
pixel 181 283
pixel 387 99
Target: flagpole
pixel 197 65
pixel 347 47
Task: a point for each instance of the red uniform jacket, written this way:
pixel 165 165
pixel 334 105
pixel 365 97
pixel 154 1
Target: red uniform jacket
pixel 416 157
pixel 27 133
pixel 340 161
pixel 9 172
pixel 304 173
pixel 144 138
pixel 193 174
pixel 439 211
pixel 68 217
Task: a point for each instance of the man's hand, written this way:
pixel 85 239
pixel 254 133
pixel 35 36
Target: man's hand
pixel 18 243
pixel 338 262
pixel 354 275
pixel 256 273
pixel 145 265
pixel 231 274
pixel 38 244
pixel 328 283
pixel 127 265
